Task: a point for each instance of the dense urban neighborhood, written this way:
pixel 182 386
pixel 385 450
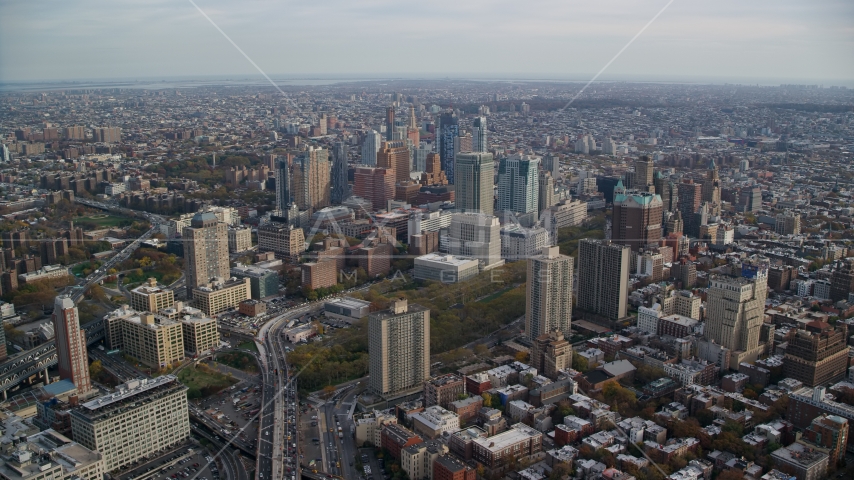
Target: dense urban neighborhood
pixel 427 280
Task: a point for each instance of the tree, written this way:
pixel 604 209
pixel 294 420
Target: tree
pixel 730 475
pixel 579 363
pixel 521 357
pixel 95 369
pixel 480 349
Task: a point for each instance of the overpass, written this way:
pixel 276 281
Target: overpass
pixel 31 362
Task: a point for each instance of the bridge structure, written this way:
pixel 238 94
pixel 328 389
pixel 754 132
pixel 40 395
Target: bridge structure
pixel 39 359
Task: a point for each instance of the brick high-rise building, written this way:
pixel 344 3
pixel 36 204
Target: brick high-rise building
pixel 286 241
pixel 71 352
pixel 636 220
pixel 842 281
pixel 690 195
pixel 433 173
pixel 831 432
pixel 817 354
pixel 643 173
pixel 551 353
pixel 374 184
pixel 603 276
pixel 205 250
pixel 399 346
pixel 443 390
pixel 548 294
pixel 311 188
pixel 395 155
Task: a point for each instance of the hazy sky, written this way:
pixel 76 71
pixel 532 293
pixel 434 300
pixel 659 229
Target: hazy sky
pixel 703 40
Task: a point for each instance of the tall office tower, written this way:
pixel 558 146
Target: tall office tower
pixel 842 280
pixel 551 164
pixel 284 196
pixel 636 220
pixel 370 147
pixel 548 294
pixel 399 347
pixel 689 201
pixel 476 235
pixel 788 224
pixel 675 224
pixel 711 192
pixel 339 173
pixel 413 123
pixel 551 354
pixel 475 173
pixel 389 123
pixel 374 184
pixel 447 133
pixel 603 278
pixel 817 354
pixel 750 199
pixel 433 174
pixel 479 135
pixel 395 155
pixel 735 309
pixel 643 173
pixel 310 187
pixel 71 353
pixel 518 184
pixel 664 189
pixel 153 409
pixel 205 250
pixel 546 191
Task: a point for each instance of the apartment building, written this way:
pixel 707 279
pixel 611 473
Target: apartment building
pixel 151 297
pixel 219 296
pixel 139 418
pixel 200 334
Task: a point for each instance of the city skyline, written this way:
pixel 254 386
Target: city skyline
pixel 687 42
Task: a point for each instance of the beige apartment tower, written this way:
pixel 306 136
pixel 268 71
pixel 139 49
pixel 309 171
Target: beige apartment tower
pixel 205 250
pixel 395 155
pixel 548 294
pixel 285 241
pixel 474 178
pixel 603 278
pixel 735 310
pixel 219 296
pixel 150 297
pixel 311 180
pixel 399 347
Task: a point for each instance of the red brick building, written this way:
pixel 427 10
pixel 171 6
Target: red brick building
pixel 467 408
pixel 448 467
pixel 395 438
pixel 478 383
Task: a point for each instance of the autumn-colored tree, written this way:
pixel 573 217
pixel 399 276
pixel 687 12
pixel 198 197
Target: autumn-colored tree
pixel 521 357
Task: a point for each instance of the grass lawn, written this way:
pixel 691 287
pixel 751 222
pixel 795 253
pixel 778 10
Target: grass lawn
pixel 105 220
pixel 248 346
pixel 202 381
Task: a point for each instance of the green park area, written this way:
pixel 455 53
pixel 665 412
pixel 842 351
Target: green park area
pixel 248 346
pixel 99 221
pixel 203 381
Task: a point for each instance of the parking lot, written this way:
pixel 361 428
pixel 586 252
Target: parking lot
pixel 236 411
pixel 199 465
pixel 183 461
